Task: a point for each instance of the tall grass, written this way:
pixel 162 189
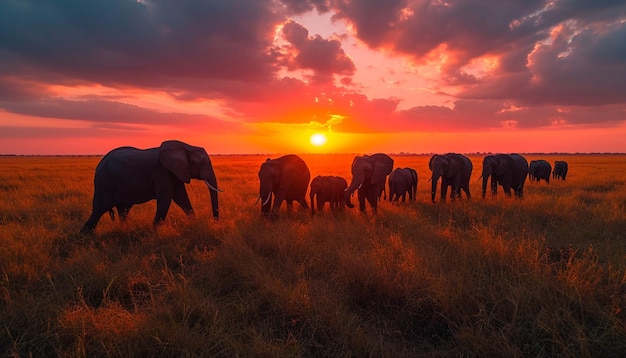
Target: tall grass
pixel 541 276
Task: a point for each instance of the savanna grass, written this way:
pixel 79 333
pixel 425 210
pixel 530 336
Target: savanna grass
pixel 540 276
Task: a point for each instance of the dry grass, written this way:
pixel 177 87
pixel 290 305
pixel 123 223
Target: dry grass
pixel 542 276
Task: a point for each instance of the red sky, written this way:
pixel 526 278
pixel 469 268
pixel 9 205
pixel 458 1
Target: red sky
pixel 262 76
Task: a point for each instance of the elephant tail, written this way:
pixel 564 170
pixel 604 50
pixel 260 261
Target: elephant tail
pixel 112 214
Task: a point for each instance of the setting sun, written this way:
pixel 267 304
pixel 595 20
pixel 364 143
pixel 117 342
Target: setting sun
pixel 318 139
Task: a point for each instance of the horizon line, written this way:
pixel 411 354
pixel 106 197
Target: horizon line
pixel 338 153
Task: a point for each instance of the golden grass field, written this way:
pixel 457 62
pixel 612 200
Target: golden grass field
pixel 542 276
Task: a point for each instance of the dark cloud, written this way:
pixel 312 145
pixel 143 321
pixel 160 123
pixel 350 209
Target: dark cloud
pixel 577 67
pixel 69 133
pixel 111 112
pixel 467 28
pixel 550 52
pixel 325 57
pixel 144 43
pixel 302 6
pixel 479 115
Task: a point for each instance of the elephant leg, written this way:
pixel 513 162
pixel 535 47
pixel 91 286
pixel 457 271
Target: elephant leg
pixel 278 200
pixel 403 197
pixel 91 223
pixel 467 192
pixel 122 211
pixel 361 195
pixel 444 189
pixel 373 199
pixel 101 204
pixel 182 200
pixel 163 205
pixel 320 203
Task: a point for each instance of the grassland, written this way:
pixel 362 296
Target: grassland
pixel 541 276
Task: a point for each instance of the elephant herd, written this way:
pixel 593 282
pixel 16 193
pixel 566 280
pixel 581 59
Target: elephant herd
pixel 127 176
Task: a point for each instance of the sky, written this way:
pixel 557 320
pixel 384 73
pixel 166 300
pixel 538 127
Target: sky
pixel 263 76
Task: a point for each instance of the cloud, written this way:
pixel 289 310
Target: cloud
pixel 547 52
pixel 490 64
pixel 146 43
pixel 107 113
pixel 325 57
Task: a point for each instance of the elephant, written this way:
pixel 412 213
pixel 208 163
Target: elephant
pixel 287 179
pixel 327 189
pixel 560 170
pixel 128 176
pixel 369 174
pixel 455 170
pixel 402 181
pixel 507 170
pixel 539 169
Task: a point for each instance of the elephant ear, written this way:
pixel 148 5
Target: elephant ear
pixel 431 162
pixel 383 165
pixel 173 156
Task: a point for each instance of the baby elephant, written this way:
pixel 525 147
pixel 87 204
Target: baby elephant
pixel 328 189
pixel 401 182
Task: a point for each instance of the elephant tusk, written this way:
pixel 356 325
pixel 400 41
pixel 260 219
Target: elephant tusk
pixel 269 196
pixel 211 186
pixel 257 200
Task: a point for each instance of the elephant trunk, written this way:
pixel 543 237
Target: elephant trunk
pixel 354 185
pixel 485 180
pixel 214 203
pixel 312 197
pixel 211 182
pixel 265 193
pixel 433 190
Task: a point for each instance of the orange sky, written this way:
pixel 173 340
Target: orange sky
pixel 260 76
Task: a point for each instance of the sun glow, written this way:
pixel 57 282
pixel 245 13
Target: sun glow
pixel 318 139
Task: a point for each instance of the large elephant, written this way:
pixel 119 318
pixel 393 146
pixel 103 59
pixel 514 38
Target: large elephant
pixel 401 182
pixel 539 169
pixel 454 170
pixel 128 176
pixel 287 179
pixel 560 170
pixel 327 189
pixel 507 170
pixel 369 174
